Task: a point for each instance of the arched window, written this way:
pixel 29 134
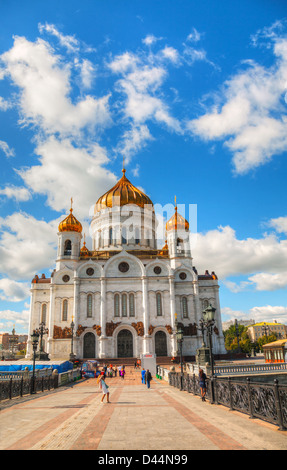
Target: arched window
pixel 184 307
pixel 110 236
pixel 117 305
pixel 65 310
pixel 137 236
pixel 68 247
pixel 205 304
pixel 44 313
pixel 131 305
pixel 124 236
pixel 89 305
pixel 158 305
pixel 124 305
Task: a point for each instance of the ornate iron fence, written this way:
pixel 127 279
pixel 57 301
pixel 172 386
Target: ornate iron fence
pixel 264 401
pixel 18 387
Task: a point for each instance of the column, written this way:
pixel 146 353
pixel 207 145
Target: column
pixel 172 315
pixel 76 313
pixel 51 320
pixel 103 319
pixel 146 337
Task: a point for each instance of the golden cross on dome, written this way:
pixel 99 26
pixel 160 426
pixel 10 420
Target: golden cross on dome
pixel 71 204
pixel 123 170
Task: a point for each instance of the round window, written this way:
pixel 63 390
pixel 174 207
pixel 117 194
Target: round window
pixel 157 270
pixel 124 267
pixel 182 276
pixel 90 271
pixel 66 278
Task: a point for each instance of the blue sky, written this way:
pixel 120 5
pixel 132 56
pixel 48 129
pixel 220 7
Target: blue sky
pixel 192 94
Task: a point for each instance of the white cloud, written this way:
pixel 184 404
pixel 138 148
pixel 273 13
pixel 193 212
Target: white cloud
pixel 13 291
pixel 269 282
pixel 4 104
pixel 266 313
pixel 9 318
pixel 280 224
pixel 77 172
pixel 194 36
pixel 70 42
pixel 27 245
pixel 141 83
pixel 44 83
pixel 133 140
pixel 15 192
pixel 222 251
pixel 6 149
pixel 171 53
pixel 150 39
pixel 248 114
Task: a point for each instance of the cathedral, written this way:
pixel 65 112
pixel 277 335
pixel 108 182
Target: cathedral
pixel 124 297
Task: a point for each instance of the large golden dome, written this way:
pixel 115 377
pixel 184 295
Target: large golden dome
pixel 70 223
pixel 124 192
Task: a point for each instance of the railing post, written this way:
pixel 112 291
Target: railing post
pixel 230 393
pixel 10 388
pixel 278 406
pixel 249 398
pixel 21 386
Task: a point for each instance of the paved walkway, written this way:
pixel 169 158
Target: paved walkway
pixel 161 418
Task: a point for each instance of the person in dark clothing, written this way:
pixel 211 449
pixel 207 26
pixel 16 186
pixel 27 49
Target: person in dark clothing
pixel 148 378
pixel 202 384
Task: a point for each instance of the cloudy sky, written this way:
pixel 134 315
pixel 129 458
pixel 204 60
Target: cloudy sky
pixel 192 94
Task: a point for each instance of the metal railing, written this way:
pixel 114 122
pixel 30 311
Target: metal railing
pixel 16 385
pixel 263 401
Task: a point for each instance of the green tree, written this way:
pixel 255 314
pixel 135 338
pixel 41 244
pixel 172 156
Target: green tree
pixel 231 342
pixel 266 339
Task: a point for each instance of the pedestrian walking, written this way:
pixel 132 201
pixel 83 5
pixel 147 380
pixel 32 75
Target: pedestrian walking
pixel 148 378
pixel 104 387
pixel 143 376
pixel 202 384
pixel 122 372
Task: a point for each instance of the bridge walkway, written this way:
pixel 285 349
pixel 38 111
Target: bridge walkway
pixel 159 418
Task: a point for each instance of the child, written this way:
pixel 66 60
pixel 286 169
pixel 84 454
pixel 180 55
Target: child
pixel 104 387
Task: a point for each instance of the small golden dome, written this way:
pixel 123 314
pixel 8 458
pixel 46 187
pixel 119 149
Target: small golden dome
pixel 70 223
pixel 124 192
pixel 177 222
pixel 164 250
pixel 84 250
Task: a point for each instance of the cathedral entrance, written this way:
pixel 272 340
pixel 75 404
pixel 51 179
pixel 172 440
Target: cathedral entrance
pixel 160 343
pixel 89 346
pixel 125 344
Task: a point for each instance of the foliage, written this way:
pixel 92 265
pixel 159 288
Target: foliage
pixel 231 343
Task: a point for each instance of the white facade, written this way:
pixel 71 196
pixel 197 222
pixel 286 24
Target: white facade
pixel 124 295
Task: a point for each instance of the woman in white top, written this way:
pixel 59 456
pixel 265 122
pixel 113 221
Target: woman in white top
pixel 104 387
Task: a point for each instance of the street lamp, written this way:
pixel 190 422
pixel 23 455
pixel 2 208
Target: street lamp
pixel 179 337
pixel 208 322
pixel 72 355
pixel 35 340
pixel 265 329
pixel 13 340
pixel 41 331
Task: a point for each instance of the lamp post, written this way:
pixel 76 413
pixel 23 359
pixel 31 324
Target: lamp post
pixel 208 323
pixel 13 340
pixel 35 340
pixel 72 355
pixel 265 329
pixel 41 331
pixel 179 337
